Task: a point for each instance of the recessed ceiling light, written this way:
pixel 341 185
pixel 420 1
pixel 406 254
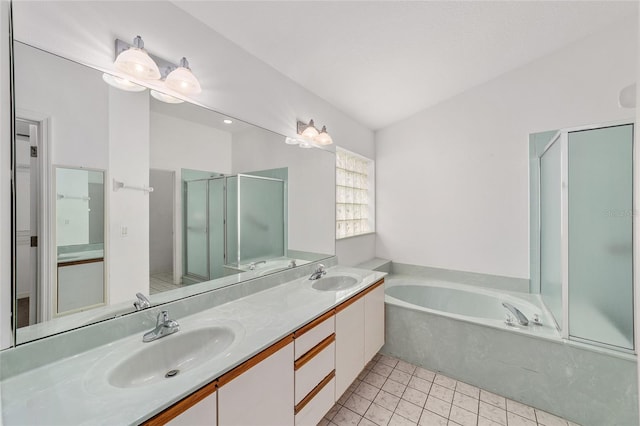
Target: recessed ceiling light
pixel 227 121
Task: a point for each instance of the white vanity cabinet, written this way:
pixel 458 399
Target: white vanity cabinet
pixel 373 321
pixel 295 381
pixel 359 334
pixel 259 391
pixel 203 413
pixel 197 409
pixel 314 367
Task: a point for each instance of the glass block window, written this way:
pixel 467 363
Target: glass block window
pixel 354 194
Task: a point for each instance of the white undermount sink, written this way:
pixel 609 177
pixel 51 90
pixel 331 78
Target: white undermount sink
pixel 335 282
pixel 170 356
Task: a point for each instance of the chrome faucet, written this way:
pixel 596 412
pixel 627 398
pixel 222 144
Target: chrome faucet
pixel 253 265
pixel 164 327
pixel 319 273
pixel 142 302
pixel 292 264
pixel 522 319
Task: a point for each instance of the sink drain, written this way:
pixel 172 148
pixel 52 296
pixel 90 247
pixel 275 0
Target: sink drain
pixel 171 373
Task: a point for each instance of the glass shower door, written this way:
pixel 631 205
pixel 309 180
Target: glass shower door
pixel 196 230
pixel 261 218
pixel 600 234
pixel 216 228
pixel 551 229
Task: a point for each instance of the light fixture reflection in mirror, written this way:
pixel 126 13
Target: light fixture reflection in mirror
pixel 165 98
pixel 122 83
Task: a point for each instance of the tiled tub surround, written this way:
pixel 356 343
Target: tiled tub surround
pixel 395 393
pixel 586 384
pixel 73 390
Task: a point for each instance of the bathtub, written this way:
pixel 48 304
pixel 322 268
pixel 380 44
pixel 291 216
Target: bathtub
pixel 460 330
pixel 473 304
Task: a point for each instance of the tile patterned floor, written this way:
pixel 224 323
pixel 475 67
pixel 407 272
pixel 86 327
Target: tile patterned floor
pixel 161 282
pixel 395 393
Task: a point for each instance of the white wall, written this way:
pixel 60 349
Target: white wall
pixel 128 254
pixel 5 181
pixel 76 105
pixel 72 216
pixel 176 144
pixel 452 181
pixel 161 206
pixel 311 183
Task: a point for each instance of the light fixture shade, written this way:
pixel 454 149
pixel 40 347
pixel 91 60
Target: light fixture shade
pixel 310 131
pixel 291 141
pixel 122 83
pixel 163 97
pixel 182 80
pixel 136 62
pixel 323 138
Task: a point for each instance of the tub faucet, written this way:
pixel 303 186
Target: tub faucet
pixel 164 327
pixel 318 273
pixel 253 265
pixel 142 302
pixel 522 319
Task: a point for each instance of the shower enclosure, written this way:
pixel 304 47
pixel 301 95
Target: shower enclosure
pixel 582 235
pixel 229 221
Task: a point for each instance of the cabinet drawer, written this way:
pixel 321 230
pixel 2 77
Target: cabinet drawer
pixel 310 335
pixel 316 408
pixel 309 375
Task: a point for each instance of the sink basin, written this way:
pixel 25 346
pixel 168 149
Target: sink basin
pixel 335 283
pixel 170 356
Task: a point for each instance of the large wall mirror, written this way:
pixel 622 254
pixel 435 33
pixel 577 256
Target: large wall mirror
pixel 120 193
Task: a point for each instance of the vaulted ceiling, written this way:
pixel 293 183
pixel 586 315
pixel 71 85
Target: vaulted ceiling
pixel 382 61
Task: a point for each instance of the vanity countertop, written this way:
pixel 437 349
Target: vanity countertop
pixel 75 390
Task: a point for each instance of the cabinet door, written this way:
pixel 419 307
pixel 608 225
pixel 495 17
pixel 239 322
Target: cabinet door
pixel 202 414
pixel 262 395
pixel 349 345
pixel 373 322
pixel 80 286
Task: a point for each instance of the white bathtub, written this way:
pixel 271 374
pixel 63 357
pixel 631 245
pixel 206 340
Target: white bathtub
pixel 460 331
pixel 469 303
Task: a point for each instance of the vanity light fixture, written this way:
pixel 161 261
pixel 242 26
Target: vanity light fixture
pixel 182 80
pixel 309 131
pixel 323 138
pixel 311 136
pixel 122 83
pixel 136 62
pixel 163 97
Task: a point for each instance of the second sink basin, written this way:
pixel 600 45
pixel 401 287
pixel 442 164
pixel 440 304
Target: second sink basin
pixel 171 355
pixel 335 283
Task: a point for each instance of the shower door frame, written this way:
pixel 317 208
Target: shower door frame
pixel 562 137
pixel 239 234
pixel 186 272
